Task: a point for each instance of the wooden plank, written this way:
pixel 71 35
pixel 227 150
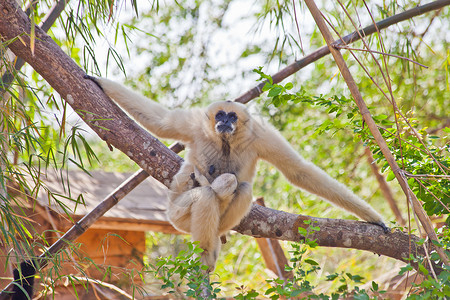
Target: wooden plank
pixel 130 225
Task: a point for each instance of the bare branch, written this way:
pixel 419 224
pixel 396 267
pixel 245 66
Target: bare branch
pixel 382 53
pixel 348 39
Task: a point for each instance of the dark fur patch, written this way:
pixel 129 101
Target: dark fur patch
pixel 195 183
pixel 225 148
pixel 211 170
pixel 24 278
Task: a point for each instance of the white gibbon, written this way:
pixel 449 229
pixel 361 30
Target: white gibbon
pixel 212 191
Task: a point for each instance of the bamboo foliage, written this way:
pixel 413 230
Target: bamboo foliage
pixel 411 197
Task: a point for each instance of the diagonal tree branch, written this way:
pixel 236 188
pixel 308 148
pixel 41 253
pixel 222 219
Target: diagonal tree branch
pixel 86 98
pixel 50 18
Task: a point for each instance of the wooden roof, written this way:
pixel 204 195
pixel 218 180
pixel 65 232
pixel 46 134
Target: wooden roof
pixel 142 209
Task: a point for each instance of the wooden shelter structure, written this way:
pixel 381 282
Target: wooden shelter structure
pixel 117 238
pixel 143 209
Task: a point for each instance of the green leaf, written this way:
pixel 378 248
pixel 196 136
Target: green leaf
pixel 275 91
pixel 296 293
pixel 302 231
pixel 390 176
pixel 423 269
pixel 314 228
pixel 332 277
pixel 311 262
pixel 267 87
pixel 405 269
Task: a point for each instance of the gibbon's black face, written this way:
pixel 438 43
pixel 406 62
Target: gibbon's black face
pixel 225 122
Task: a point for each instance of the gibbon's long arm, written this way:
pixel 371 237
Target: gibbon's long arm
pixel 273 148
pixel 174 124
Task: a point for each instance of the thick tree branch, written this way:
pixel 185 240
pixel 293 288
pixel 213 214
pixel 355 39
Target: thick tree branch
pixel 86 98
pixel 263 222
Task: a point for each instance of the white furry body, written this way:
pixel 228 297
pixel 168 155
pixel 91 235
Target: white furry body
pixel 212 192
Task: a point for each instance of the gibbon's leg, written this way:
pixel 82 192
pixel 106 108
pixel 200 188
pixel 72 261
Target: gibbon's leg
pixel 179 210
pixel 237 208
pixel 181 195
pixel 198 211
pixel 205 217
pixel 24 278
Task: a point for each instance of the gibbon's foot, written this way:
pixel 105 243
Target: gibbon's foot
pixel 92 78
pixel 209 258
pixel 224 185
pixel 382 225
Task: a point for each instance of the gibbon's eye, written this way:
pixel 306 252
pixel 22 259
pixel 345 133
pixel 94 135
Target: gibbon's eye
pixel 232 117
pixel 220 116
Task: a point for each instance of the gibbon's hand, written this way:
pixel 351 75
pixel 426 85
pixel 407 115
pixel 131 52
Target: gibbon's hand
pixel 382 225
pixel 201 179
pixel 92 78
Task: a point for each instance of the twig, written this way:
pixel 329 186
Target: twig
pixel 296 23
pixel 426 176
pixel 379 52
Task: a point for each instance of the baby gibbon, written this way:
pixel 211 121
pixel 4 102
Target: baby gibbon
pixel 212 191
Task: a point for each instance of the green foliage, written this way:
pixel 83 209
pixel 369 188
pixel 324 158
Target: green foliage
pixel 182 276
pixel 419 152
pixel 184 270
